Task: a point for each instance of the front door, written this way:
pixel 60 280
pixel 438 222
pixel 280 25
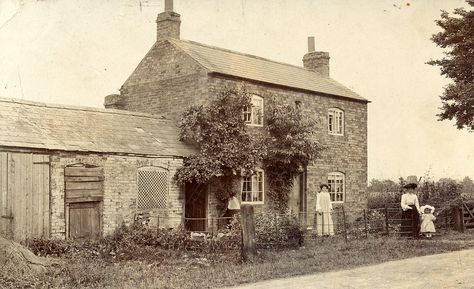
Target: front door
pixel 196 207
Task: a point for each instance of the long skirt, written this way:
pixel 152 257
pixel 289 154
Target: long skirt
pixel 324 224
pixel 410 226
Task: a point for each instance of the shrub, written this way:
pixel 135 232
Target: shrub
pixel 137 242
pixel 443 195
pixel 378 200
pixel 277 230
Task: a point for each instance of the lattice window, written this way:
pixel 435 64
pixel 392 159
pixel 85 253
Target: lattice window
pixel 152 188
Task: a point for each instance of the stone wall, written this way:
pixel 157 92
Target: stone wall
pixel 120 191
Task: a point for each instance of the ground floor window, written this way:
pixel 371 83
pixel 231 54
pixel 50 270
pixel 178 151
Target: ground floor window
pixel 252 188
pixel 336 183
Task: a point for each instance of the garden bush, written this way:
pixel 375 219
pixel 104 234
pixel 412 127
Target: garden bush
pixel 137 241
pixel 378 200
pixel 274 230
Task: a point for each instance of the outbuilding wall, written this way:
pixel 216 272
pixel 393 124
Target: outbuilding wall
pixel 120 191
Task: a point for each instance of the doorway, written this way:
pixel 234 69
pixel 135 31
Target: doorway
pixel 196 207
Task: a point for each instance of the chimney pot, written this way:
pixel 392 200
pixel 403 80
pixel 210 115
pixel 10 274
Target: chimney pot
pixel 310 43
pixel 168 5
pixel 168 23
pixel 317 61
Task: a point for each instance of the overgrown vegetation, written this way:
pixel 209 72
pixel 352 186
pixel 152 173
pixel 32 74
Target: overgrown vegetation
pixel 181 269
pixel 228 149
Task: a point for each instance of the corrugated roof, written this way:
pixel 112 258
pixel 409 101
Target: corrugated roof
pixel 256 68
pixel 55 127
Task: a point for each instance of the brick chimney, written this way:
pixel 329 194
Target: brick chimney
pixel 167 23
pixel 317 61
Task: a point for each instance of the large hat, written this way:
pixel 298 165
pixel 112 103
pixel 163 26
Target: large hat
pixel 422 208
pixel 411 183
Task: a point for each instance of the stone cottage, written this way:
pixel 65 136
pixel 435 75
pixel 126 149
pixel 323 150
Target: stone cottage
pixel 176 73
pixel 77 172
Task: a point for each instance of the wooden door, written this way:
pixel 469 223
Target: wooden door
pixel 84 220
pixel 24 199
pixel 84 195
pixel 196 207
pixel 297 197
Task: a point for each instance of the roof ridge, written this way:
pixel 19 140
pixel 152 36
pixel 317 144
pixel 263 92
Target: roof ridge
pixel 243 54
pixel 82 108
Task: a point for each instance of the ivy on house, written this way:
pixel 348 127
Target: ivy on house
pixel 291 145
pixel 228 149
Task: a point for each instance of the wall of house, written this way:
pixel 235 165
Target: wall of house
pixel 346 154
pixel 165 82
pixel 120 191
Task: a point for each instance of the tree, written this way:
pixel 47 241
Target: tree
pixel 468 187
pixel 458 65
pixel 383 186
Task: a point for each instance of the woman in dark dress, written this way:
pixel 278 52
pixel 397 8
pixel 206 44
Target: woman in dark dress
pixel 411 209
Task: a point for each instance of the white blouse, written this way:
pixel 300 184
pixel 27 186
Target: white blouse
pixel 409 199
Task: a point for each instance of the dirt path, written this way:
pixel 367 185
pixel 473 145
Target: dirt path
pixel 448 270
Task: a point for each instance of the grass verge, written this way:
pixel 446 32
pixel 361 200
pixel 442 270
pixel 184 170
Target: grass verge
pixel 179 269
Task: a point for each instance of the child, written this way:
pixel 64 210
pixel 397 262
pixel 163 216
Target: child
pixel 427 218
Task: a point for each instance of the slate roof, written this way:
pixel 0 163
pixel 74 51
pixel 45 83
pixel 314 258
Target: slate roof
pixel 251 67
pixel 27 124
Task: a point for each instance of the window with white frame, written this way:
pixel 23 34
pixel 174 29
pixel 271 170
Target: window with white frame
pixel 252 188
pixel 336 121
pixel 152 187
pixel 336 183
pixel 253 115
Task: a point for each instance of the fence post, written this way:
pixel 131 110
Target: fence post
pixel 344 223
pixel 458 219
pixel 386 221
pixel 365 224
pixel 315 223
pixel 248 250
pixel 446 223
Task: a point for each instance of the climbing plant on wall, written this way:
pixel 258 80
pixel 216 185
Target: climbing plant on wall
pixel 228 149
pixel 291 145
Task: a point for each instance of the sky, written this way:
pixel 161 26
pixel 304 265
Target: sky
pixel 77 52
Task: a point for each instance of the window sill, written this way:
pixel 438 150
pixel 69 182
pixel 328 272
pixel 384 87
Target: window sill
pixel 252 203
pixel 252 124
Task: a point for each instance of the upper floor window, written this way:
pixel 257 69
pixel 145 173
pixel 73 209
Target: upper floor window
pixel 152 185
pixel 253 115
pixel 252 188
pixel 336 183
pixel 336 121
